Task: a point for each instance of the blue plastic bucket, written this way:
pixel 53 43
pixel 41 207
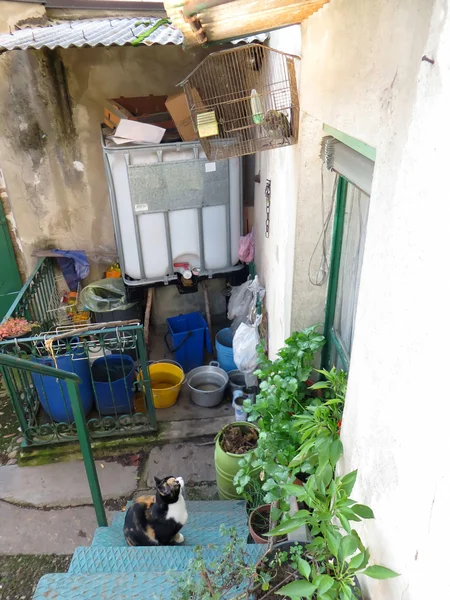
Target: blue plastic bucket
pixel 224 350
pixel 189 335
pixel 113 377
pixel 53 394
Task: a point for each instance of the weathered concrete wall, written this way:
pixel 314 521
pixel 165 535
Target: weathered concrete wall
pixel 38 151
pixel 51 107
pixel 168 302
pixel 14 14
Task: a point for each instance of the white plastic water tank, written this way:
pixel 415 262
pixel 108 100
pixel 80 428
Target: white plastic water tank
pixel 170 205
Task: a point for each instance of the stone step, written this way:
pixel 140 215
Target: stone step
pixel 107 586
pixel 205 508
pixel 202 528
pixel 145 560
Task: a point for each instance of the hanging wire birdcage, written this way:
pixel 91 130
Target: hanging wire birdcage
pixel 244 100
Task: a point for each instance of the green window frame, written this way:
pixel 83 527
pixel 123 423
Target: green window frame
pixel 335 349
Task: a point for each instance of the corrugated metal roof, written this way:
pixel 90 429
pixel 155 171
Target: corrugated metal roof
pixel 96 32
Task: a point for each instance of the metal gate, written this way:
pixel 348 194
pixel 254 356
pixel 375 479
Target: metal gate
pixel 10 282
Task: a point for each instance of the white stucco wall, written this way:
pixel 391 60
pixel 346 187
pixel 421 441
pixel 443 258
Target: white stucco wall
pixel 275 255
pixel 396 417
pixel 362 73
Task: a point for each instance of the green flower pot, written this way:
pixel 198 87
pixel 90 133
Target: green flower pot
pixel 227 464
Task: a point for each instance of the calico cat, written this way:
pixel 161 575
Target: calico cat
pixel 157 520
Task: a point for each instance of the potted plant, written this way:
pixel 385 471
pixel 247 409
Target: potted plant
pixel 15 327
pixel 328 566
pixel 232 443
pixel 283 393
pixel 259 523
pixel 227 576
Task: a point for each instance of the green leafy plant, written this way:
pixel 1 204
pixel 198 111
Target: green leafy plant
pixel 230 572
pixel 333 579
pixel 283 393
pixel 318 426
pixel 338 556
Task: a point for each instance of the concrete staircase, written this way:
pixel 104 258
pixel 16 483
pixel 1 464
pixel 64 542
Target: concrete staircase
pixel 110 570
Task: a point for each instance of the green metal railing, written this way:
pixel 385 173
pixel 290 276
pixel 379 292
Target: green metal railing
pixel 115 390
pixel 112 366
pixel 72 382
pixel 33 300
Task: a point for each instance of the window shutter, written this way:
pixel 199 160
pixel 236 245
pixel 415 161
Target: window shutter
pixel 355 167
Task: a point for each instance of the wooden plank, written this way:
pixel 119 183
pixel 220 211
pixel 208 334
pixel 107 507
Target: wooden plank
pixel 243 18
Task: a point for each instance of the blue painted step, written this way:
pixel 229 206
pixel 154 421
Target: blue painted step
pixel 202 528
pixel 205 509
pixel 145 560
pixel 110 586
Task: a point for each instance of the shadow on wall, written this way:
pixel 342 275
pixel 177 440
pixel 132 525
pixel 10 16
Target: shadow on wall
pixel 51 108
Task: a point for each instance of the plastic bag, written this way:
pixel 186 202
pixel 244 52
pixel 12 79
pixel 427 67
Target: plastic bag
pixel 105 295
pixel 245 341
pixel 240 301
pixel 247 248
pixel 242 304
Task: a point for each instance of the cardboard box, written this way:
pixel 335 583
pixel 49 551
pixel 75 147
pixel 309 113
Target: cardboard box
pixel 134 109
pixel 134 131
pixel 141 106
pixel 113 113
pixel 145 109
pixel 179 111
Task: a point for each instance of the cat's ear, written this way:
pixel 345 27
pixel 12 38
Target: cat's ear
pixel 157 480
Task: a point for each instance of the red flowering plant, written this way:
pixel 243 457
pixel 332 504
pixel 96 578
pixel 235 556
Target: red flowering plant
pixel 15 327
pixel 319 425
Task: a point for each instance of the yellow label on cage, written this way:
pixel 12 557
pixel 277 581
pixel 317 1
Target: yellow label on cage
pixel 207 125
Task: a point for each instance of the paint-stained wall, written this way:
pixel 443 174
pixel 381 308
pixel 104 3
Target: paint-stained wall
pixel 51 107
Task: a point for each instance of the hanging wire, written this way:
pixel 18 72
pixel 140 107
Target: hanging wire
pixel 324 267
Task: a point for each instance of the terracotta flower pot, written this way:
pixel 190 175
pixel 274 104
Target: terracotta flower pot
pixel 263 510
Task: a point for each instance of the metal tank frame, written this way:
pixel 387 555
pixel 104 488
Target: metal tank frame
pixel 170 277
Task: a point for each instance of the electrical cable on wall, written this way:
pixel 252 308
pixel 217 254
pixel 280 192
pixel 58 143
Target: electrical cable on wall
pixel 324 267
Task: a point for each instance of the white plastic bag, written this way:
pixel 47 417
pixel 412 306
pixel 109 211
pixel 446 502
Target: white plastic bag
pixel 240 301
pixel 245 342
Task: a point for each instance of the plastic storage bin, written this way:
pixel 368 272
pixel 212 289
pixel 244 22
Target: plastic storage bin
pixel 189 334
pixel 113 377
pixel 172 205
pixel 53 394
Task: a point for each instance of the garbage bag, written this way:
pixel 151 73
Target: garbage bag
pixel 240 301
pixel 245 342
pixel 105 295
pixel 242 304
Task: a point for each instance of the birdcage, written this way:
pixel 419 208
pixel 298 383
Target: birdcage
pixel 244 100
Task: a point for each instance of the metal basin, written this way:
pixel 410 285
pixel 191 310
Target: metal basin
pixel 207 385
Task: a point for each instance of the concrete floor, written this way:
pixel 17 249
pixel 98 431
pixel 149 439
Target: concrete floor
pixel 185 409
pixel 48 509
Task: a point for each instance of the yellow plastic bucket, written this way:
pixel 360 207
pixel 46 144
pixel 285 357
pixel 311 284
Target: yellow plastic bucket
pixel 166 381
